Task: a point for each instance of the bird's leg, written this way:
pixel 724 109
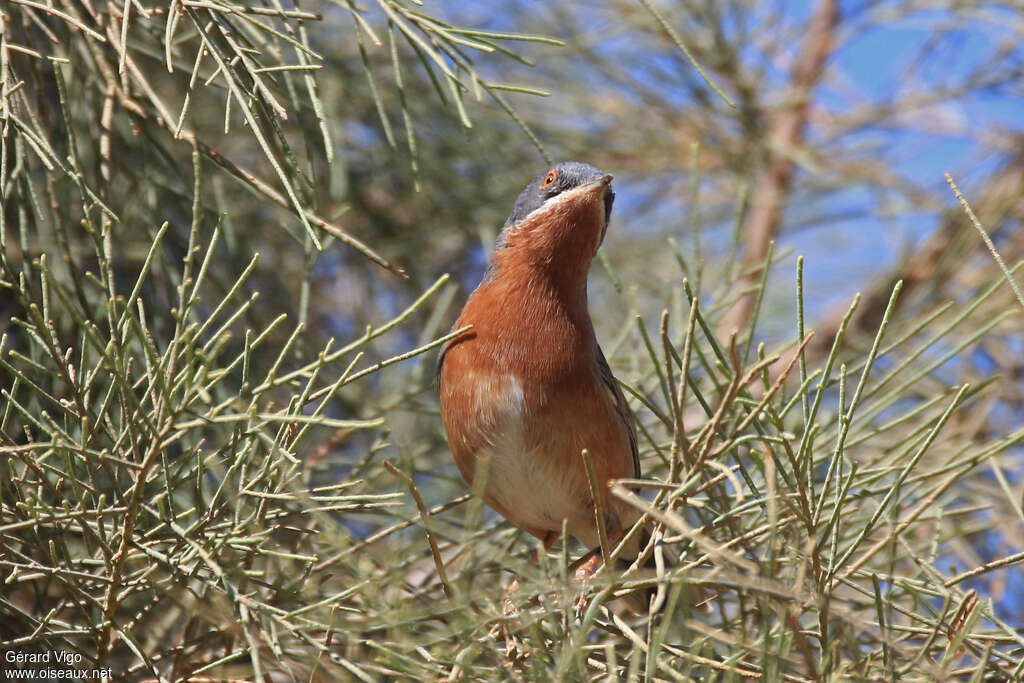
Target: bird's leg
pixel 548 540
pixel 588 567
pixel 582 570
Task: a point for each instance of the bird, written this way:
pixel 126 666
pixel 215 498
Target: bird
pixel 527 387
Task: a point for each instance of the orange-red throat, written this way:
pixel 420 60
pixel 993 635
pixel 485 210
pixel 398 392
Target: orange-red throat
pixel 561 237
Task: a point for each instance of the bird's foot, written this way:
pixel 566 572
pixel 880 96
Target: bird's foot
pixel 586 570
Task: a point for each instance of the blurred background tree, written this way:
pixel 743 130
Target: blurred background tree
pixel 166 437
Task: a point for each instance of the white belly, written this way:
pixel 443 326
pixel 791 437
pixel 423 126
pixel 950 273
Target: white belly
pixel 527 480
pixel 536 492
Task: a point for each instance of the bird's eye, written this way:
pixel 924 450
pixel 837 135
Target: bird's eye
pixel 549 179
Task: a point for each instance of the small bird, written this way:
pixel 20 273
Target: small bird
pixel 528 386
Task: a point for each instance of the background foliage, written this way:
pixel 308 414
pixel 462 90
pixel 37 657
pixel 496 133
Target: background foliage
pixel 233 234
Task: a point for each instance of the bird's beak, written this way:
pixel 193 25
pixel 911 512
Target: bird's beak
pixel 602 182
pixel 609 199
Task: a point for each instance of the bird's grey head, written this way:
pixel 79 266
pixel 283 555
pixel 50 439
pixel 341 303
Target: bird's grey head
pixel 561 178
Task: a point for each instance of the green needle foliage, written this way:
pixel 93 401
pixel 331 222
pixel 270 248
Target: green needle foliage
pixel 209 473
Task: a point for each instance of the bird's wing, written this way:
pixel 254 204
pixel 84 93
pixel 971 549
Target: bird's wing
pixel 440 359
pixel 446 347
pixel 621 407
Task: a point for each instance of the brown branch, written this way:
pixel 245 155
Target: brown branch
pixel 786 133
pixel 945 253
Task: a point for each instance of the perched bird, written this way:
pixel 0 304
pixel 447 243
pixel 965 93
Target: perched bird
pixel 528 385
